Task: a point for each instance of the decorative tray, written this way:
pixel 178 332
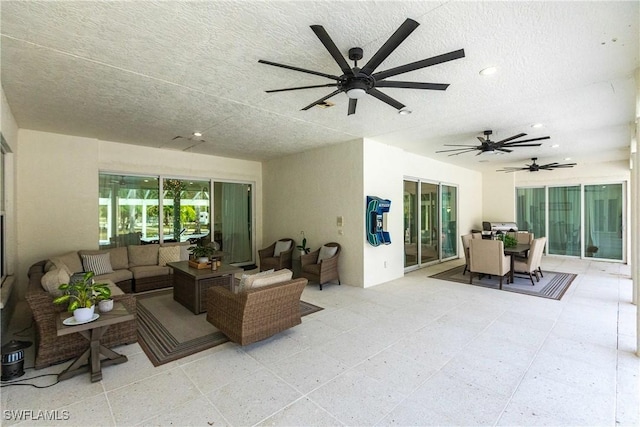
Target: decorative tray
pixel 199 266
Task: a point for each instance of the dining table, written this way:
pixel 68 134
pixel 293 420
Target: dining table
pixel 521 249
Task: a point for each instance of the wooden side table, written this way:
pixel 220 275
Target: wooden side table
pixel 190 284
pixel 90 361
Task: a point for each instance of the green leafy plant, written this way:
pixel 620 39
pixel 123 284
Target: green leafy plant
pixel 83 294
pixel 202 251
pixel 303 247
pixel 509 241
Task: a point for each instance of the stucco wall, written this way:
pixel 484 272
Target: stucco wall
pixel 57 190
pixel 308 191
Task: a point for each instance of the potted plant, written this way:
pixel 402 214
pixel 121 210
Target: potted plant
pixel 202 253
pixel 82 296
pixel 509 241
pixel 303 247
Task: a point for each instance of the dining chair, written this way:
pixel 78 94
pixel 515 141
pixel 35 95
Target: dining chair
pixel 487 257
pixel 531 265
pixel 465 246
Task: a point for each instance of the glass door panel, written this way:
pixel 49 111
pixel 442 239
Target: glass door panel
pixel 449 221
pixel 233 221
pixel 564 221
pixel 531 210
pixel 410 209
pixel 603 221
pixel 186 210
pixel 428 222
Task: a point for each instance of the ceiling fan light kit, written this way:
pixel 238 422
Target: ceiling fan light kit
pixel 358 82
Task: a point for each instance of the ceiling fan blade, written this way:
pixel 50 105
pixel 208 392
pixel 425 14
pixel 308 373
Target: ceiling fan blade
pixel 568 165
pixel 511 169
pixel 301 87
pixel 457 149
pixel 386 99
pixel 322 99
pixel 504 150
pixel 460 145
pixel 481 139
pixel 390 45
pixel 457 54
pixel 462 152
pixel 512 137
pixel 513 145
pixel 289 67
pixel 529 140
pixel 332 48
pixel 413 85
pixel 352 106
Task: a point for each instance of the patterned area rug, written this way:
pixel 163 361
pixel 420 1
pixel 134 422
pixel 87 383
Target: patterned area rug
pixel 553 285
pixel 168 331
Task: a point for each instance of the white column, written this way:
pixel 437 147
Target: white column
pixel 635 214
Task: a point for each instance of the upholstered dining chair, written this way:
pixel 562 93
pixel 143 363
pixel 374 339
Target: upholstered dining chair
pixel 321 265
pixel 277 255
pixel 466 238
pixel 487 257
pixel 531 265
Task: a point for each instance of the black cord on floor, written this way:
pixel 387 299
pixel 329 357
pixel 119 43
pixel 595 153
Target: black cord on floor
pixel 19 382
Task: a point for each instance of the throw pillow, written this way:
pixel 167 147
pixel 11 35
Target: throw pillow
pixel 258 281
pixel 99 264
pixel 248 279
pixel 281 246
pixel 327 252
pixel 54 278
pixel 168 254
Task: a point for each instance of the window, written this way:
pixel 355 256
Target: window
pixel 131 212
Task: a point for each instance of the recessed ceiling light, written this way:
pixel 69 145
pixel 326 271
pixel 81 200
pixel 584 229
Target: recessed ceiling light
pixel 555 146
pixel 536 125
pixel 404 112
pixel 488 71
pixel 567 158
pixel 197 134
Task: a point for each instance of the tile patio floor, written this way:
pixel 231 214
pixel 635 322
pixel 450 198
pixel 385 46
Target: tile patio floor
pixel 413 351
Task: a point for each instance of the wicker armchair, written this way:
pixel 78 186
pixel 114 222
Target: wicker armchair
pixel 282 260
pixel 322 272
pixel 255 314
pixel 50 348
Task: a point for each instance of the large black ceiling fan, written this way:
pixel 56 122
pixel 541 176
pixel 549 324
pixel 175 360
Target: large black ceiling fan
pixel 358 82
pixel 487 145
pixel 534 167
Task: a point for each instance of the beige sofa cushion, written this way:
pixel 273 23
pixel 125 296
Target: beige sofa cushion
pixel 70 262
pixel 143 255
pixel 119 258
pixel 184 249
pixel 116 276
pixel 261 279
pixel 144 271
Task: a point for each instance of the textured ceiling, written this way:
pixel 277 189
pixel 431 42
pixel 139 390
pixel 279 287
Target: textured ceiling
pixel 145 72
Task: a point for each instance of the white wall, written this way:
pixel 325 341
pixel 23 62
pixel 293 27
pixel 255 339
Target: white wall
pixel 499 197
pixel 9 131
pixel 308 191
pixel 58 187
pixel 385 169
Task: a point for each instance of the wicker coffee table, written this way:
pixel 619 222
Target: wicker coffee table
pixel 190 284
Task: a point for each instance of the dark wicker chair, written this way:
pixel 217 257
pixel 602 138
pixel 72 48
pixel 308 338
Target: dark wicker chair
pixel 283 260
pixel 51 348
pixel 323 272
pixel 256 314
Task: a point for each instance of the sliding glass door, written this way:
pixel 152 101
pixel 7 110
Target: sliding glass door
pixel 603 221
pixel 233 215
pixel 430 222
pixel 578 220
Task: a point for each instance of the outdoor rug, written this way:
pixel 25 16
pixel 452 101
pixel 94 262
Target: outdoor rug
pixel 168 331
pixel 553 285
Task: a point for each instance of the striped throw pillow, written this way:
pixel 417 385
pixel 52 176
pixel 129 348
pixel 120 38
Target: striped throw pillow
pixel 99 264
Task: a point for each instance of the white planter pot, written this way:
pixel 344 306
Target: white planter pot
pixel 203 260
pixel 105 305
pixel 83 314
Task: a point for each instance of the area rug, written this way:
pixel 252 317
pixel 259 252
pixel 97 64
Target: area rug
pixel 168 331
pixel 553 285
